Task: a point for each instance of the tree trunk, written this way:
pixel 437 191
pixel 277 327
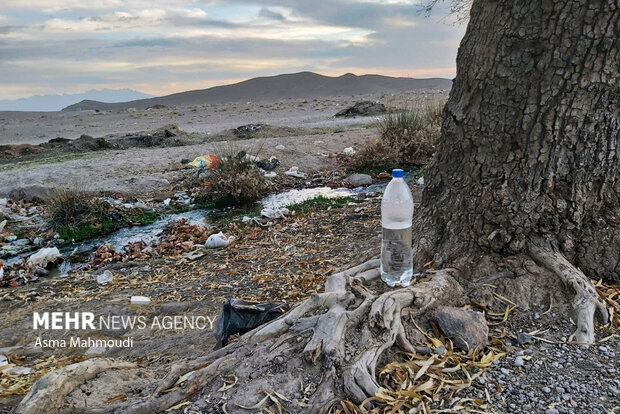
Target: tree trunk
pixel 528 160
pixel 529 144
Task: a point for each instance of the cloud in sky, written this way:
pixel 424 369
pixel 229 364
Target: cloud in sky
pixel 166 46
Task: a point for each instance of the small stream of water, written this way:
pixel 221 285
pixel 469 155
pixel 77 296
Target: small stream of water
pixel 147 234
pixel 152 232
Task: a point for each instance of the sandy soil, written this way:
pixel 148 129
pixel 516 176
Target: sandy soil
pixel 141 171
pixel 38 127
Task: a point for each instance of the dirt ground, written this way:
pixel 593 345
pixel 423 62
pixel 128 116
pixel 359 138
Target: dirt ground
pixel 315 133
pixel 142 171
pixel 38 127
pixel 285 262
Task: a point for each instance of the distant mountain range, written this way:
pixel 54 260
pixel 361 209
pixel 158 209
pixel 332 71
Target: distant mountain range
pixel 58 102
pixel 303 85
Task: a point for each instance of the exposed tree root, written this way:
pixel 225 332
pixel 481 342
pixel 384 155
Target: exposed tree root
pixel 586 301
pixel 48 393
pixel 324 350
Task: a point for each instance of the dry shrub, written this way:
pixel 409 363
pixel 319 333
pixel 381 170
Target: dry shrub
pixel 433 112
pixel 375 155
pixel 235 181
pixel 417 148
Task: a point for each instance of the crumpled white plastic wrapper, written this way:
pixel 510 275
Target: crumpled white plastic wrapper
pixel 44 256
pixel 294 172
pixel 275 213
pixel 219 240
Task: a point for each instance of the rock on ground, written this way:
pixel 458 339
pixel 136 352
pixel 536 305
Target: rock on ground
pixel 359 179
pixel 32 193
pixel 363 108
pixel 467 329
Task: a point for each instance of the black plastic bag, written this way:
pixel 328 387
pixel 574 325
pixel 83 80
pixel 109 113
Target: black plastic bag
pixel 239 317
pixel 268 165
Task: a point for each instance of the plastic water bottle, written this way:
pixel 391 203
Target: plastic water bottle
pixel 396 218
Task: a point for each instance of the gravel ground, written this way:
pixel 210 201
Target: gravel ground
pixel 551 376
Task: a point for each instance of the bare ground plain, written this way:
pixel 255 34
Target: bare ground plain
pixel 140 171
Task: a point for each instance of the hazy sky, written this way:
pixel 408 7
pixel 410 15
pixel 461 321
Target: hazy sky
pixel 166 46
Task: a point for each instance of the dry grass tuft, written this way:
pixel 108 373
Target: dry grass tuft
pixel 408 138
pixel 75 214
pixel 375 155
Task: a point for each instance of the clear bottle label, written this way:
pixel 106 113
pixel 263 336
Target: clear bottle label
pixel 396 253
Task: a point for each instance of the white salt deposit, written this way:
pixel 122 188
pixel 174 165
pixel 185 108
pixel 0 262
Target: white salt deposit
pixel 276 201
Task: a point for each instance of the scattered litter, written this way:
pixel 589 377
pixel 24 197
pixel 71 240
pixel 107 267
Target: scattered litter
pixel 246 131
pixel 420 181
pixel 193 255
pixel 182 198
pixel 105 277
pixel 206 161
pixel 275 213
pixel 44 256
pixel 239 317
pixel 349 151
pixel 2 225
pixel 219 240
pixel 280 147
pixel 140 300
pixel 167 201
pixel 248 157
pixel 294 172
pixel 270 174
pixel 3 360
pixel 63 269
pixel 268 165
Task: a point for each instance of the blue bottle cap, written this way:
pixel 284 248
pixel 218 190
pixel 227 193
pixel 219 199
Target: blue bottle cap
pixel 398 173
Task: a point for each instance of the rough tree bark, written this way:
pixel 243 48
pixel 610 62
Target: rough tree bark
pixel 528 161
